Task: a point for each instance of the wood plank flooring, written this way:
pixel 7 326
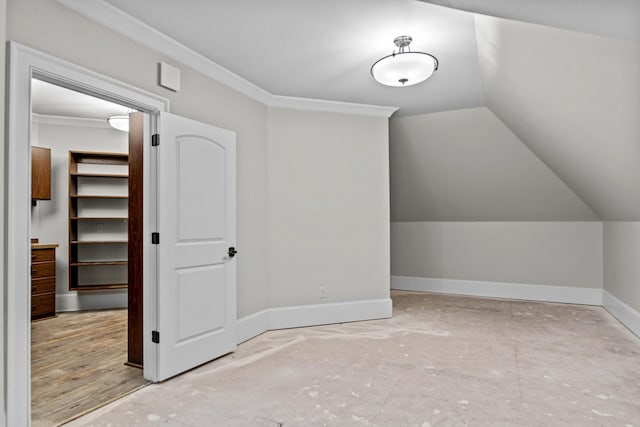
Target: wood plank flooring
pixel 77 365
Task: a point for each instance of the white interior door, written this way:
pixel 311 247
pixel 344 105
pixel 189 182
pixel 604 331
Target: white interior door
pixel 196 274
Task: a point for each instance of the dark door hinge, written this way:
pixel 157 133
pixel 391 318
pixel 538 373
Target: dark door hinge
pixel 155 238
pixel 155 140
pixel 155 337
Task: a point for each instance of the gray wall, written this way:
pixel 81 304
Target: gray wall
pixel 538 253
pixel 319 213
pixel 471 202
pixel 556 143
pixel 622 262
pixel 51 28
pixel 328 161
pixel 572 99
pixel 328 207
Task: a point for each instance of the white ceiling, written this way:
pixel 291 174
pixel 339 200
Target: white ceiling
pixel 52 100
pixel 577 113
pixel 611 18
pixel 324 49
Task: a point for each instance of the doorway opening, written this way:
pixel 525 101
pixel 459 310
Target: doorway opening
pixel 189 275
pixel 86 333
pixel 24 64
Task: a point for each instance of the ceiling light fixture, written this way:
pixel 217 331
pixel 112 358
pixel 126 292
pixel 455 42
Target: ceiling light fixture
pixel 404 68
pixel 119 122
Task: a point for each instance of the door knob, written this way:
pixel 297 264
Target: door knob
pixel 232 252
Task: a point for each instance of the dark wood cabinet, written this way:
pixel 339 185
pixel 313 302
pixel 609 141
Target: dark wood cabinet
pixel 40 173
pixel 43 281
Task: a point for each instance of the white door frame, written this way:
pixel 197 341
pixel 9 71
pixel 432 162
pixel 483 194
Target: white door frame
pixel 25 63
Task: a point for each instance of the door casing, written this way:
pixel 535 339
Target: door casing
pixel 25 63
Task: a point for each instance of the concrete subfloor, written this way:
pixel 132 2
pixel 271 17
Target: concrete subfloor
pixel 441 360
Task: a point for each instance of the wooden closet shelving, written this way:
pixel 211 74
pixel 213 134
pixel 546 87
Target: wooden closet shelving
pixel 98 217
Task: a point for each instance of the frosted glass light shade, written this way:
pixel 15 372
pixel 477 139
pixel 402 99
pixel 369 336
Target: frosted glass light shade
pixel 119 122
pixel 404 69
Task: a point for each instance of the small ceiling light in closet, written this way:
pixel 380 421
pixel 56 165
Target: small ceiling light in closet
pixel 119 122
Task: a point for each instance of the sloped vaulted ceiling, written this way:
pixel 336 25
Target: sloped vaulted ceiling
pixel 573 97
pixel 574 100
pixel 562 75
pixel 611 18
pixel 466 165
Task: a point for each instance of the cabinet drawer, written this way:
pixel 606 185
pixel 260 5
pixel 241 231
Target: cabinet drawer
pixel 42 255
pixel 43 269
pixel 43 286
pixel 43 304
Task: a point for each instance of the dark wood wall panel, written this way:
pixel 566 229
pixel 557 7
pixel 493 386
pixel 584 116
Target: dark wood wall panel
pixel 135 338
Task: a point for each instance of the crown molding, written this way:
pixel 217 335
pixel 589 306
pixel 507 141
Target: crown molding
pixel 47 119
pixel 330 106
pixel 118 21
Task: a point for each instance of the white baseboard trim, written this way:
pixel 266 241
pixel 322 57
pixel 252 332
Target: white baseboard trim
pixel 520 291
pixel 311 315
pixel 91 301
pixel 621 311
pixel 252 325
pixel 323 314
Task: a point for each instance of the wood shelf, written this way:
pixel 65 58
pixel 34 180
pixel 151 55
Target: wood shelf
pixel 99 242
pixel 98 185
pixel 97 263
pixel 102 287
pixel 99 175
pixel 96 196
pixel 99 218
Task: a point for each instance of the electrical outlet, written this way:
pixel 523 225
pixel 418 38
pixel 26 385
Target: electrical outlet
pixel 100 227
pixel 323 291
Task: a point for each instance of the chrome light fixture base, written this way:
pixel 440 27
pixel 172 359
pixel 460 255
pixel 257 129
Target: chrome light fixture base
pixel 402 42
pixel 404 68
